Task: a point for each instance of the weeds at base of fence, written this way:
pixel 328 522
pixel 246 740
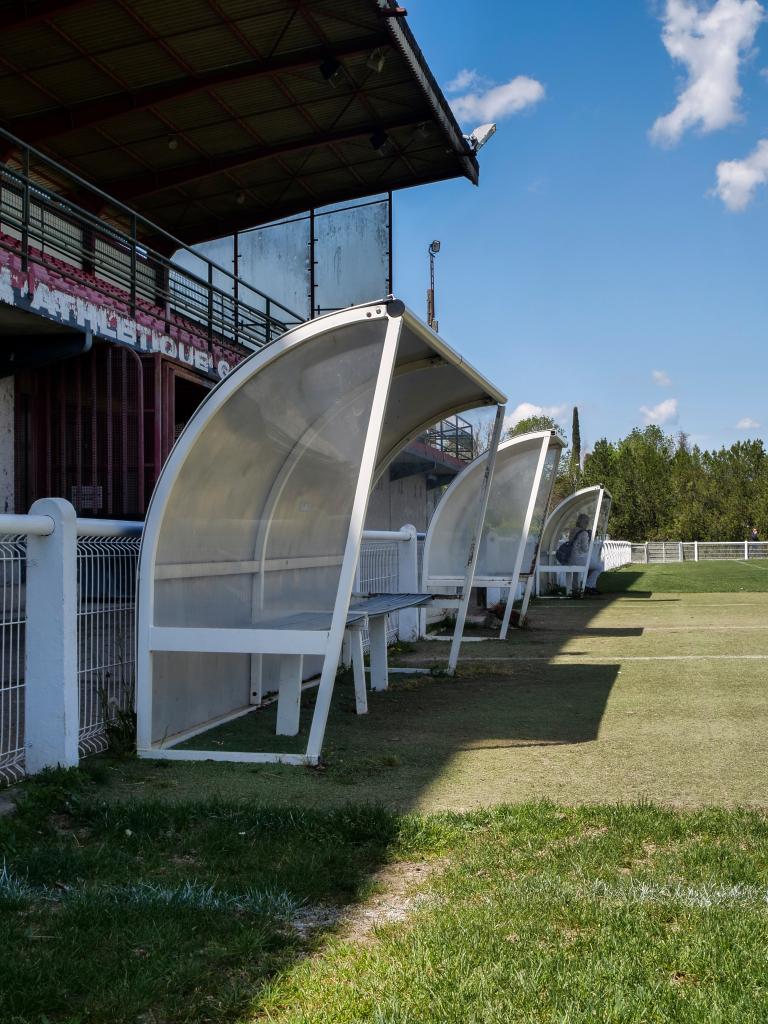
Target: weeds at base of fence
pixel 119 722
pixel 447 623
pixel 401 647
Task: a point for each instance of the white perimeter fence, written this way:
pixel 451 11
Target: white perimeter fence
pixel 616 553
pixel 68 585
pixel 654 551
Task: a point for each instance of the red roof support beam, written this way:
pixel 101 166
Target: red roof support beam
pixel 27 13
pixel 35 128
pixel 127 189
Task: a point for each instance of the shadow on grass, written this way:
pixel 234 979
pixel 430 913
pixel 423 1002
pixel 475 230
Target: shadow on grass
pixel 156 910
pixel 596 631
pixel 422 721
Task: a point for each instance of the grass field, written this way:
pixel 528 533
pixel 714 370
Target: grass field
pixel 648 696
pixel 689 578
pixel 572 829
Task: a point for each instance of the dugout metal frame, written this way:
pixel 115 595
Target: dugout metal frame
pixel 244 575
pixel 566 512
pixel 526 463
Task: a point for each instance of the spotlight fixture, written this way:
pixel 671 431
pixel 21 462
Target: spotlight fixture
pixel 381 142
pixel 331 71
pixel 173 142
pixel 480 135
pixel 434 247
pixel 377 59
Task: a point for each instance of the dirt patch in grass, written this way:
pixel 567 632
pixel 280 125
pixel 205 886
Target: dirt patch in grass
pixel 397 890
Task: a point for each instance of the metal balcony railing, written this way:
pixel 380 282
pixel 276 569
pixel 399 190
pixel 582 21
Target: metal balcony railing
pixel 47 218
pixel 454 436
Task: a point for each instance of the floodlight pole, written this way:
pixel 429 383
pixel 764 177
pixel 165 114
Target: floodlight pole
pixel 432 251
pixel 477 536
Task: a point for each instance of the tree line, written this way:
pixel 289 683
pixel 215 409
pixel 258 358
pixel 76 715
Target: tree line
pixel 663 487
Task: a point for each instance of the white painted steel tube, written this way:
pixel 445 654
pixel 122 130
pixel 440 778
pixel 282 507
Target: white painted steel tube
pixel 109 528
pixel 32 526
pixel 402 535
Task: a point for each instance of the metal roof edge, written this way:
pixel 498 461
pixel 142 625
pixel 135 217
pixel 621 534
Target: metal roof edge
pixel 404 39
pixel 449 354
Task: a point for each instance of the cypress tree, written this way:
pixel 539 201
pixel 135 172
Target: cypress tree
pixel 576 445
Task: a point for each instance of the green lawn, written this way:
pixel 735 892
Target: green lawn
pixel 232 913
pixel 688 578
pixel 605 699
pixel 557 834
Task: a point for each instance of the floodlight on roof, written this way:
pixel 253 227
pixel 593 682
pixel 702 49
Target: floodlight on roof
pixel 381 142
pixel 479 136
pixel 331 71
pixel 377 59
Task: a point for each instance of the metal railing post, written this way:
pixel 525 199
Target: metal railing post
pixel 746 550
pixel 210 302
pixel 52 706
pixel 408 582
pixel 695 551
pixel 134 234
pixel 25 210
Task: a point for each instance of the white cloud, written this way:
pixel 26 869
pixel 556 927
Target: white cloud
pixel 747 423
pixel 526 409
pixel 664 412
pixel 737 180
pixel 711 42
pixel 464 80
pixel 497 101
pixel 661 377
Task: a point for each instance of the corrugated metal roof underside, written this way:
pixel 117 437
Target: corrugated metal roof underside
pixel 211 115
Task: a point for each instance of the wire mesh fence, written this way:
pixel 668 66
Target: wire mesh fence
pixel 106 571
pixel 13 553
pixel 662 551
pixel 377 573
pixel 616 553
pixel 105 635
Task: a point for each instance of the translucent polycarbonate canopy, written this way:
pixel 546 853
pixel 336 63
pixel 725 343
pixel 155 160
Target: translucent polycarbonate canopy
pixel 593 502
pixel 253 532
pixel 523 476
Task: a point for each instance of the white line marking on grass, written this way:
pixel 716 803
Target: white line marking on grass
pixel 634 657
pixel 646 629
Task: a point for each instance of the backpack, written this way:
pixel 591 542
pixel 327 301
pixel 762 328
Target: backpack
pixel 563 553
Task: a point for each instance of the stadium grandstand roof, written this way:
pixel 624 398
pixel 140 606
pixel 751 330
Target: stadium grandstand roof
pixel 208 116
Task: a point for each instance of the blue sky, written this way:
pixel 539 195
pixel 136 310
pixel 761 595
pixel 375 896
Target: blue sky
pixel 592 254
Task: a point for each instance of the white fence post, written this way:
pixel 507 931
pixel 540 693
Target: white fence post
pixel 52 726
pixel 408 582
pixel 695 551
pixel 746 550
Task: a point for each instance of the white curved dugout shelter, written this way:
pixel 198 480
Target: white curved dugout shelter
pixel 594 502
pixel 521 485
pixel 253 532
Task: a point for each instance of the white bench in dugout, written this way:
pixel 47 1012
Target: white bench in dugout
pixel 566 575
pixel 374 610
